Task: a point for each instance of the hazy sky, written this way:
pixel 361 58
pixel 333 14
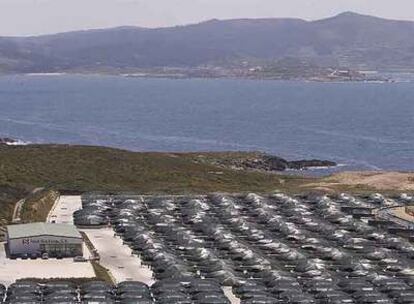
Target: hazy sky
pixel 34 17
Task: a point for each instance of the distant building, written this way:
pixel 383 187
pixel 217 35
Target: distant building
pixel 34 240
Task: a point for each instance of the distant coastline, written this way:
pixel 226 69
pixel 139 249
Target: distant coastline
pixel 272 48
pixel 191 74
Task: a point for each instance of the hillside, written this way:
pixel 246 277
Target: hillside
pixel 84 168
pixel 346 40
pixel 76 169
pixel 9 195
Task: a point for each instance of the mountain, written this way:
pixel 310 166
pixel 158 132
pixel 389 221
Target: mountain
pixel 346 40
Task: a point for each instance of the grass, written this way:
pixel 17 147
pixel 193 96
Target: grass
pixel 9 195
pixel 78 169
pixel 85 168
pixel 90 245
pixel 102 273
pixel 37 206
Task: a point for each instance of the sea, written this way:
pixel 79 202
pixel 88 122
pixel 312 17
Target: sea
pixel 361 126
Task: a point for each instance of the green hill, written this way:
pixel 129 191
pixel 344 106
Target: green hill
pixel 76 169
pixel 86 168
pixel 349 40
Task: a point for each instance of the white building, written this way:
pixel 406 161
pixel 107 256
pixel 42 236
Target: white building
pixel 34 240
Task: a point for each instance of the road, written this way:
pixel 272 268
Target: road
pixel 62 210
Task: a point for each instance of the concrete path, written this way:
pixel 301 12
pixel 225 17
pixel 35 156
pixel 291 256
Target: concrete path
pixel 62 210
pixel 228 291
pixel 117 258
pixel 17 211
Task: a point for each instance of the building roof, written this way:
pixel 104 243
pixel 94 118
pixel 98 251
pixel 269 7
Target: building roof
pixel 40 229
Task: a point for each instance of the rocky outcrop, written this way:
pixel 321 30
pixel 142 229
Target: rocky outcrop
pixel 265 162
pixel 274 163
pixel 313 163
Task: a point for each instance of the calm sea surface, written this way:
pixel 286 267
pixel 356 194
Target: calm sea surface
pixel 359 125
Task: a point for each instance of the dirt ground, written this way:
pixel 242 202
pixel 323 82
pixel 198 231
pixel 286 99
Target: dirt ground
pixel 393 181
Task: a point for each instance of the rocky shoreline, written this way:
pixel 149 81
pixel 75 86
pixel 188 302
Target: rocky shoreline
pixel 275 163
pixel 256 161
pixel 243 161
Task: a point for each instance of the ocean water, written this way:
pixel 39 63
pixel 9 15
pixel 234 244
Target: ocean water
pixel 359 125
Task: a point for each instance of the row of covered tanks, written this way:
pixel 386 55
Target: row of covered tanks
pixel 98 292
pixel 269 249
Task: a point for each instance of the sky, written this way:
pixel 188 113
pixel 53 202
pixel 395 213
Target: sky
pixel 37 17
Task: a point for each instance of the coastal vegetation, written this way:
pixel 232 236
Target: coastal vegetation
pixel 9 196
pixel 77 169
pixel 85 168
pixel 37 206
